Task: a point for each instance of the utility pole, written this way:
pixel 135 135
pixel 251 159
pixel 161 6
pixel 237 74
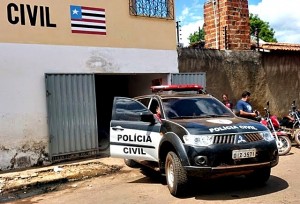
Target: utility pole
pixel 178 30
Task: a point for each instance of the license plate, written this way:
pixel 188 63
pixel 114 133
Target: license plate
pixel 243 153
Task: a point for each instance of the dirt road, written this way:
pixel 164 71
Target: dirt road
pixel 131 186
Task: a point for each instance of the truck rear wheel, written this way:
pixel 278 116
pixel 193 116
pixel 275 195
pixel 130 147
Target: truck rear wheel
pixel 176 175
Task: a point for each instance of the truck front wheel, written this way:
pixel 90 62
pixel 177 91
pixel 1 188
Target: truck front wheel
pixel 176 175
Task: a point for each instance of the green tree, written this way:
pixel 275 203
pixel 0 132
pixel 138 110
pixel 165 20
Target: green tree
pixel 265 32
pixel 196 36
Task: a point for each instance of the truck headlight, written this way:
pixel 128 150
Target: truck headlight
pixel 267 135
pixel 198 140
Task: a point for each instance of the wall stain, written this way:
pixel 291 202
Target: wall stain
pixel 13 161
pixel 3 148
pixel 28 155
pixel 99 62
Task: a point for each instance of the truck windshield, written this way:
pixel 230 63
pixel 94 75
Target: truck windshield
pixel 194 107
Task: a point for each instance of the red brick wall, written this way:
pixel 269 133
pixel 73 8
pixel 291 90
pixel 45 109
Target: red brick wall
pixel 232 15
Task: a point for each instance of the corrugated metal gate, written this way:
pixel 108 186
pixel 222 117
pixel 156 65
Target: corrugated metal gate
pixel 72 116
pixel 189 78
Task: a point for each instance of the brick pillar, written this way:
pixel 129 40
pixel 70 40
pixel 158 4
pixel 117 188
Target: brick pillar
pixel 226 25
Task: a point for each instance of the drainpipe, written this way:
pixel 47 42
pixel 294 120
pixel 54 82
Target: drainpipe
pixel 215 17
pixel 178 34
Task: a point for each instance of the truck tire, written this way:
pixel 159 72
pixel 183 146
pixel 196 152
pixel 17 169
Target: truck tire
pixel 176 175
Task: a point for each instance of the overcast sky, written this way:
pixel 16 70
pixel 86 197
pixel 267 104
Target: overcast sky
pixel 283 16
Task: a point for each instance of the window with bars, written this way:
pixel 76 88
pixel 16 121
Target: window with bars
pixel 152 8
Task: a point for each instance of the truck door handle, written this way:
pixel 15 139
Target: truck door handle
pixel 118 128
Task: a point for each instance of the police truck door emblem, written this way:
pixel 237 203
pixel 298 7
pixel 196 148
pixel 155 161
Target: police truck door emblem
pixel 241 139
pixel 220 121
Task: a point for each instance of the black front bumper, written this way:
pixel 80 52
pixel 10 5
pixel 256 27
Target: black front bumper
pixel 219 161
pixel 208 172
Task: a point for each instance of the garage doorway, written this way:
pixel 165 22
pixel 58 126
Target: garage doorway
pixel 79 110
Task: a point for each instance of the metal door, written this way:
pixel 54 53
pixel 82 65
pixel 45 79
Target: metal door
pixel 72 116
pixel 189 78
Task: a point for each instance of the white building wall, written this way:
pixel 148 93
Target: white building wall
pixel 23 114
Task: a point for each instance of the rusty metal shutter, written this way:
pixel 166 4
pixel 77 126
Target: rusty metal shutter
pixel 72 116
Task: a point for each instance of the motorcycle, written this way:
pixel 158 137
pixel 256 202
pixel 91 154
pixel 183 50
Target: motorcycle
pixel 291 124
pixel 283 142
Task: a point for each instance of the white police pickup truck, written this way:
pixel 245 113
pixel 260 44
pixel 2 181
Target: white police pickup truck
pixel 196 136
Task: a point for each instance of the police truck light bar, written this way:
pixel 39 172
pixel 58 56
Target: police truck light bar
pixel 177 87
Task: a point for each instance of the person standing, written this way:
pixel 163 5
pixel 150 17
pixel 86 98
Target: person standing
pixel 226 101
pixel 244 107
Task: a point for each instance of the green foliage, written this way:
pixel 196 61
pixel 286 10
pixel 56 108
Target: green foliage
pixel 196 36
pixel 266 33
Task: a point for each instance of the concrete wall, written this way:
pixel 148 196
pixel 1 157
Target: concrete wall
pixel 273 77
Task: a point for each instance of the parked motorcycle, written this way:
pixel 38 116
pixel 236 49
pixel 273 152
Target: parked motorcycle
pixel 291 124
pixel 283 142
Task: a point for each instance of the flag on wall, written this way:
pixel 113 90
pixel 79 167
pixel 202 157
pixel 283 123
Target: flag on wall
pixel 88 20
